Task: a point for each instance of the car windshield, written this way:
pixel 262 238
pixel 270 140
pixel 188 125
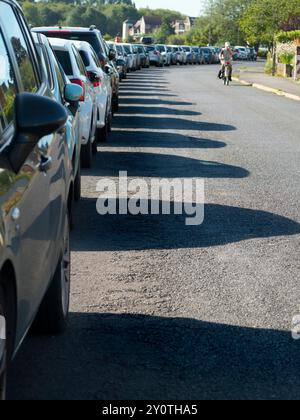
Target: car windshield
pixel 206 50
pixel 196 49
pixel 187 49
pixel 150 49
pixel 161 48
pixel 175 49
pixel 141 50
pixel 65 61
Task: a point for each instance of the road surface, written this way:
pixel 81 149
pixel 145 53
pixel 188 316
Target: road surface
pixel 160 310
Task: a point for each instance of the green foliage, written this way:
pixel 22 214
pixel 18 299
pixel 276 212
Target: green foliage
pixel 286 58
pixel 264 18
pixel 285 37
pixel 269 64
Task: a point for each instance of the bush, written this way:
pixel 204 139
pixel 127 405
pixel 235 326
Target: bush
pixel 262 53
pixel 286 58
pixel 269 64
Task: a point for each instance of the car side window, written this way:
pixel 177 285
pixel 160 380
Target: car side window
pixel 8 87
pixel 95 58
pixel 21 49
pixel 79 62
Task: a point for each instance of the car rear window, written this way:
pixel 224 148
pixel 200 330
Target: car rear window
pixel 127 49
pixel 91 38
pixel 150 49
pixel 65 61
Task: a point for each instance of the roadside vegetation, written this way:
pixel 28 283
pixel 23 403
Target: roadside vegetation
pixel 239 21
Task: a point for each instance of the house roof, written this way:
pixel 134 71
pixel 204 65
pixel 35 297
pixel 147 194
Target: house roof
pixel 152 20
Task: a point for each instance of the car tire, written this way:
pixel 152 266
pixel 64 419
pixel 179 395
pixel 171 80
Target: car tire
pixel 53 313
pixel 3 348
pixel 77 185
pixel 86 155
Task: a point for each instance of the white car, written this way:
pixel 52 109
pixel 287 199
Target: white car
pixel 132 62
pixel 242 53
pixel 165 54
pixel 102 88
pixel 155 56
pixel 72 64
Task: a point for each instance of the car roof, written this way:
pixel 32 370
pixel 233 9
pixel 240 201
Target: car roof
pixel 61 43
pixel 66 29
pixel 83 45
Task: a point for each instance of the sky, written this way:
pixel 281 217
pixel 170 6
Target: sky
pixel 188 7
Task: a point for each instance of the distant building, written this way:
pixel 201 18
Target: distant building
pixel 181 26
pixel 127 25
pixel 146 25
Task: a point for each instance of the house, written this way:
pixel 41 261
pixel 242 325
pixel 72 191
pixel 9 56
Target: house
pixel 181 26
pixel 146 25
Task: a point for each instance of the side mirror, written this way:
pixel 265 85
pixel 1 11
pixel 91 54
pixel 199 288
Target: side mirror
pixel 112 55
pixel 35 117
pixel 73 93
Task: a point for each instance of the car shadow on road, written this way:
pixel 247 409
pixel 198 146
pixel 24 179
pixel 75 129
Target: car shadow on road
pixel 115 356
pixel 168 123
pixel 161 140
pixel 137 110
pixel 153 101
pixel 142 164
pixel 222 225
pixel 146 94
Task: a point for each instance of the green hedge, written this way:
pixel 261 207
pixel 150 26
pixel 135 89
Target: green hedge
pixel 286 37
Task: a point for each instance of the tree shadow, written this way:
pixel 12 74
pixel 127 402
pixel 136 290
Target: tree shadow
pixel 161 140
pixel 167 123
pixel 222 225
pixel 134 110
pixel 110 356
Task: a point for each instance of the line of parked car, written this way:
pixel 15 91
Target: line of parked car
pixel 59 90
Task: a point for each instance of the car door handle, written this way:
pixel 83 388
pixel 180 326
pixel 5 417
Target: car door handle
pixel 46 163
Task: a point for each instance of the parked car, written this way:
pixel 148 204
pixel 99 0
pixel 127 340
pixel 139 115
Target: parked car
pixel 241 53
pixel 155 57
pixel 93 36
pixel 252 54
pixel 120 61
pixel 144 56
pixel 177 55
pixel 132 61
pixel 184 55
pixel 35 194
pixel 68 95
pixel 189 54
pixel 137 57
pixel 102 90
pixel 198 55
pixel 72 64
pixel 165 55
pixel 208 55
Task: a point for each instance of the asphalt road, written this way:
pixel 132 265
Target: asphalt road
pixel 161 310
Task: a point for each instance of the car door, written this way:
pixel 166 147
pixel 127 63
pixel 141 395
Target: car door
pixel 26 207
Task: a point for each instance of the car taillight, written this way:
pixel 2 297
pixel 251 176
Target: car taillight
pixel 96 83
pixel 80 83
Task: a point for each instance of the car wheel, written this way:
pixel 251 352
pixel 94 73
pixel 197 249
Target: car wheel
pixel 86 155
pixel 77 185
pixel 53 313
pixel 3 346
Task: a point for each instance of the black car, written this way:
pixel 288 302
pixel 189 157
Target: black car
pixel 94 37
pixel 35 193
